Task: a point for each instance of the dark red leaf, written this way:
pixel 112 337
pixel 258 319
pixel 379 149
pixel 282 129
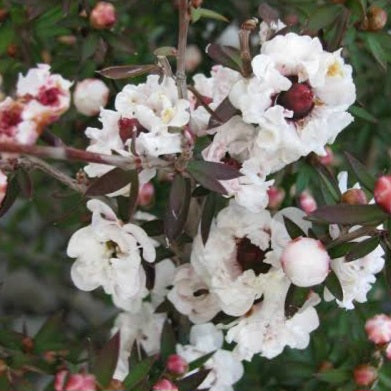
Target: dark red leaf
pixel 127 71
pixel 192 382
pixel 361 172
pixel 24 182
pixel 207 215
pixel 363 248
pixel 218 171
pixel 11 195
pixel 225 55
pixel 224 112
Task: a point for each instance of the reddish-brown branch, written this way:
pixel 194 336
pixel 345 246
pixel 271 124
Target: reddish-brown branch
pixel 182 42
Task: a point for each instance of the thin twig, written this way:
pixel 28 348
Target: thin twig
pixel 182 42
pixel 67 153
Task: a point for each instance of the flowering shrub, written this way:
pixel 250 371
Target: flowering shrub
pixel 212 215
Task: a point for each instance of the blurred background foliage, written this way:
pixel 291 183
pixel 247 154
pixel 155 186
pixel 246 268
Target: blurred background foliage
pixel 34 269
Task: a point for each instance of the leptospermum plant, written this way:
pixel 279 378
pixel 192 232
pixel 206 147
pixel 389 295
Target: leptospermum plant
pixel 224 274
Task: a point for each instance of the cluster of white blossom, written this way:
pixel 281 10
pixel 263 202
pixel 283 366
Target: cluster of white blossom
pixel 295 103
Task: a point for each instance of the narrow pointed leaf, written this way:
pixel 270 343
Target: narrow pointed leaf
pixel 127 71
pixel 114 180
pixel 293 229
pixel 106 360
pixel 207 216
pixel 335 376
pixel 334 286
pixel 167 341
pixel 11 195
pixel 49 336
pixel 329 182
pixel 192 382
pixel 340 250
pixel 361 172
pixel 348 214
pixel 178 207
pixel 198 13
pixel 199 362
pixel 219 171
pixel 360 112
pixel 224 112
pixel 166 51
pixel 295 299
pixel 225 55
pixel 361 249
pixel 25 183
pixel 139 372
pixel 154 227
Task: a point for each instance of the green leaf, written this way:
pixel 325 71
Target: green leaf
pixel 198 13
pixel 361 249
pixel 340 250
pixel 139 372
pixel 114 180
pixel 348 214
pixel 178 207
pixel 50 335
pixel 329 182
pixel 335 376
pixel 167 341
pixel 89 46
pixel 11 339
pixel 323 17
pixel 377 50
pixel 364 177
pixel 360 112
pixel 199 362
pixel 295 299
pixel 208 212
pixel 293 229
pixel 106 360
pixel 192 382
pixel 165 51
pixel 334 286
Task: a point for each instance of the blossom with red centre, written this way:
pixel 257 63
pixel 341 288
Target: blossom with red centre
pixel 307 202
pixel 365 375
pixel 299 99
pixel 378 329
pixel 250 257
pixel 276 197
pixel 103 16
pixel 65 381
pixel 305 261
pixel 164 385
pixel 176 364
pixel 146 194
pixel 382 192
pixel 354 197
pixel 129 127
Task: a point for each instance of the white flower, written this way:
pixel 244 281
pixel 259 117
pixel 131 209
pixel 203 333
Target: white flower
pixel 90 96
pixel 225 368
pixel 231 262
pixel 305 261
pixel 47 95
pixel 266 330
pixel 144 328
pixel 191 297
pixel 108 254
pixel 231 145
pixel 13 127
pixel 298 96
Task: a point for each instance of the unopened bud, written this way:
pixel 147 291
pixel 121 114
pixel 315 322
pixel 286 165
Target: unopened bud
pixel 28 344
pixel 377 18
pixel 325 366
pixel 354 197
pixel 365 375
pixel 90 96
pixel 382 192
pixel 378 329
pixel 176 364
pixel 305 261
pixel 328 159
pixel 276 197
pixel 307 202
pixel 103 16
pixel 164 385
pixel 146 194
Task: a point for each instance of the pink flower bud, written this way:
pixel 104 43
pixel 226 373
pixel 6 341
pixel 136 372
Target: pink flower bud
pixel 90 95
pixel 382 192
pixel 354 197
pixel 146 194
pixel 378 329
pixel 103 16
pixel 164 385
pixel 3 186
pixel 328 159
pixel 305 262
pixel 176 364
pixel 307 202
pixel 365 375
pixel 276 196
pixel 65 381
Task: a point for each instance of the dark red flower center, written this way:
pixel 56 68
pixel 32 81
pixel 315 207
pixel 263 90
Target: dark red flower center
pixel 49 96
pixel 128 127
pixel 251 257
pixel 10 118
pixel 299 99
pixel 231 162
